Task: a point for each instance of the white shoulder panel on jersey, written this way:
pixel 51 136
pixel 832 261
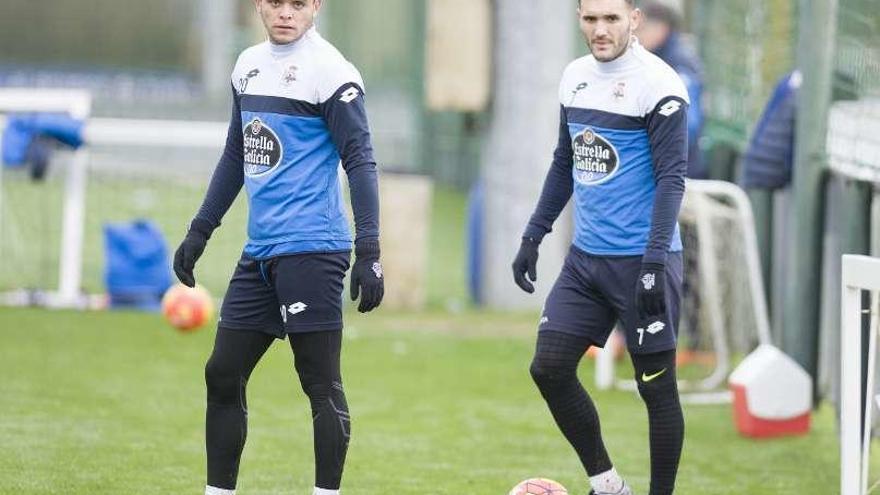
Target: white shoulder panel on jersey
pixel 664 81
pixel 631 85
pixel 336 71
pixel 572 80
pixel 309 70
pixel 243 63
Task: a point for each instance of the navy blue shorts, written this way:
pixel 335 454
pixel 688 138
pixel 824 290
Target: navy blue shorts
pixel 286 294
pixel 593 293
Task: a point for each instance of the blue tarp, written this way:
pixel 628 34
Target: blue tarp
pixel 22 130
pixel 137 271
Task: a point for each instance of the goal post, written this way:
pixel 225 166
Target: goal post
pixel 724 306
pixel 77 104
pixel 858 273
pixel 120 143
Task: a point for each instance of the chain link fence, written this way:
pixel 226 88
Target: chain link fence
pixel 746 46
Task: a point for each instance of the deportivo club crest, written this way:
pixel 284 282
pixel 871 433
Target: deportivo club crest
pixel 262 148
pixel 619 90
pixel 648 281
pixel 289 75
pixel 595 159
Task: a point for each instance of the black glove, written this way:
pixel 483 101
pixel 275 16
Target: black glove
pixel 526 261
pixel 651 290
pixel 190 250
pixel 366 275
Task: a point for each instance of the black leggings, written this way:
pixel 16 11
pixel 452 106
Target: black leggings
pixel 316 358
pixel 554 369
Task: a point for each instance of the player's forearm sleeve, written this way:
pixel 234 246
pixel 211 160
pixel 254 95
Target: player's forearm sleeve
pixel 228 176
pixel 346 118
pixel 558 186
pixel 668 134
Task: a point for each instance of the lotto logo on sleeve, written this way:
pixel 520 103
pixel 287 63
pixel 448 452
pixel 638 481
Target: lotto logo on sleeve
pixel 595 159
pixel 670 108
pixel 349 95
pixel 262 149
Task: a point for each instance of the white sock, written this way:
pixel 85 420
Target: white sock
pixel 324 491
pixel 607 482
pixel 211 490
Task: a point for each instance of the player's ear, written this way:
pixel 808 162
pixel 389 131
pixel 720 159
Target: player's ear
pixel 635 19
pixel 318 4
pixel 257 4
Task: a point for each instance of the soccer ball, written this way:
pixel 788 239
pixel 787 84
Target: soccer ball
pixel 538 486
pixel 187 309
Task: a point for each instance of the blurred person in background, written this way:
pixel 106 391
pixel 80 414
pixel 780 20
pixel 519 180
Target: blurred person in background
pixel 769 156
pixel 622 156
pixel 297 110
pixel 660 33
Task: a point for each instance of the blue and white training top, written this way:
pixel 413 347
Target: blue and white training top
pixel 298 109
pixel 622 152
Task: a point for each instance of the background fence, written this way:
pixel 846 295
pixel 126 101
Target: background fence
pixel 145 59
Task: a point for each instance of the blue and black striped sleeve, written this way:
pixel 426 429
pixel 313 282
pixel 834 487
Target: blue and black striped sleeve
pixel 228 176
pixel 346 118
pixel 558 185
pixel 668 134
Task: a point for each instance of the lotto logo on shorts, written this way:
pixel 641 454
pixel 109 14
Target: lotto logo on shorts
pixel 292 309
pixel 652 329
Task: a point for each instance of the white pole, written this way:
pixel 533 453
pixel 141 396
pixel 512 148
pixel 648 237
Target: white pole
pixel 534 41
pixel 217 20
pixel 72 229
pixel 869 391
pixel 73 226
pixel 851 377
pixel 858 272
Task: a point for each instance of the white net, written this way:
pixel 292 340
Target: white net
pixel 30 226
pixel 724 312
pixel 134 170
pixel 164 185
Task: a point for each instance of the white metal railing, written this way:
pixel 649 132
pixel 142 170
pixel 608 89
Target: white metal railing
pixel 858 273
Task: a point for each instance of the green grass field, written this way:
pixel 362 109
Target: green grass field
pixel 113 403
pixel 442 402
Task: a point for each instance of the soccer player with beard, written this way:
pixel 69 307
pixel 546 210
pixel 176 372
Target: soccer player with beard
pixel 622 154
pixel 297 111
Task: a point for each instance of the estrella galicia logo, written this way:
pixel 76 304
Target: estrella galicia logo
pixel 595 159
pixel 262 149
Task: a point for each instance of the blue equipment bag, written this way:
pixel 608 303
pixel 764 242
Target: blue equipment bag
pixel 137 271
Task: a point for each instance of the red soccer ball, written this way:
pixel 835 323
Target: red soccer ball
pixel 538 486
pixel 187 309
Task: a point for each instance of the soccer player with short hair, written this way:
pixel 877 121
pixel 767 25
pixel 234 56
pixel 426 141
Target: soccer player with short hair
pixel 622 154
pixel 297 111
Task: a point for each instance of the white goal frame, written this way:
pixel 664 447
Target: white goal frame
pixel 77 104
pixel 858 273
pixel 709 281
pixel 97 132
